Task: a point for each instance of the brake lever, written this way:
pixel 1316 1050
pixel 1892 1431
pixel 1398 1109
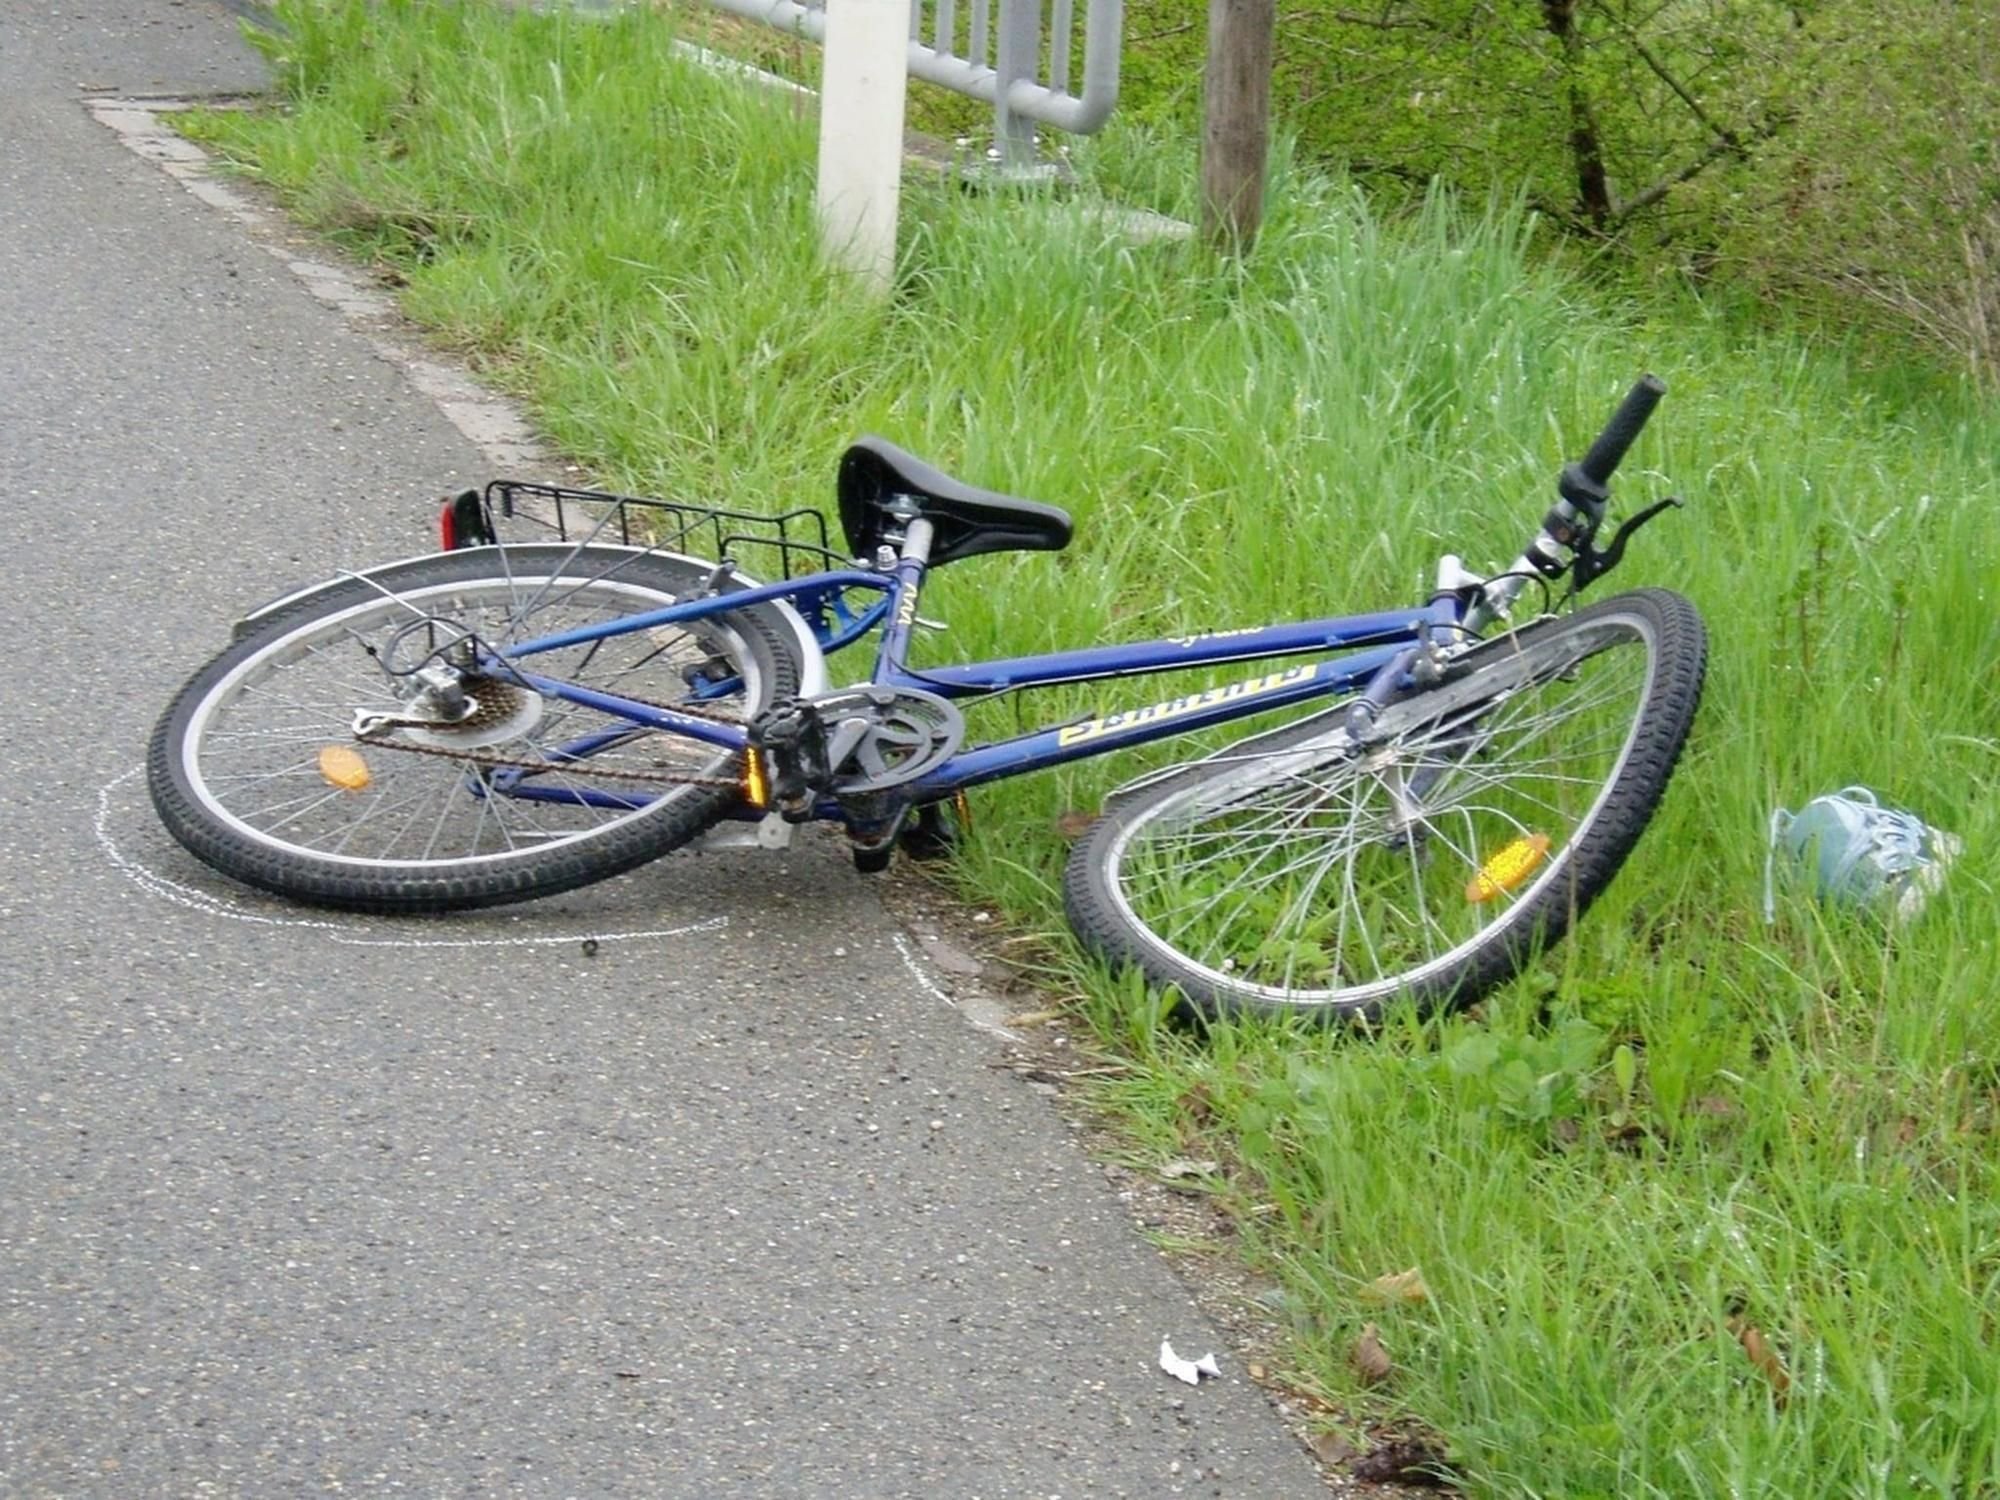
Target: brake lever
pixel 1591 564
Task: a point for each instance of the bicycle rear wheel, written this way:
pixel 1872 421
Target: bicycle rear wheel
pixel 1309 875
pixel 255 767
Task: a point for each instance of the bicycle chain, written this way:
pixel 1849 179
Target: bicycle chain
pixel 520 763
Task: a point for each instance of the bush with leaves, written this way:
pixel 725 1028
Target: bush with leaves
pixel 1838 153
pixel 1882 199
pixel 1599 108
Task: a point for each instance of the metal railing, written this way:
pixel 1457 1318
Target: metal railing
pixel 1018 60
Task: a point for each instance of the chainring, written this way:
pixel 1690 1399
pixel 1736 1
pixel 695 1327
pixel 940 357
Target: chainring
pixel 880 737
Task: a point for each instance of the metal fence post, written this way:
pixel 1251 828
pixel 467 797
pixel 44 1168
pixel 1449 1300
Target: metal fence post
pixel 1015 55
pixel 1013 82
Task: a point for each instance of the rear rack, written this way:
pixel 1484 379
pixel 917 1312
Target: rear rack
pixel 797 539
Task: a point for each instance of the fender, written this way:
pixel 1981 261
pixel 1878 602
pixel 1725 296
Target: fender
pixel 812 662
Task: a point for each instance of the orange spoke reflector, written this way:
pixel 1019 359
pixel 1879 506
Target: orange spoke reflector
pixel 1507 869
pixel 342 766
pixel 755 791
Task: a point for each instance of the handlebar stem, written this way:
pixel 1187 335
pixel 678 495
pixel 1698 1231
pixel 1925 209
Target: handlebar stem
pixel 1570 525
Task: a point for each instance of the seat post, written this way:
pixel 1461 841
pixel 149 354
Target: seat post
pixel 917 542
pixel 914 557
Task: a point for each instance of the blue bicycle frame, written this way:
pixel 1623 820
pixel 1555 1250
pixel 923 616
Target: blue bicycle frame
pixel 1369 653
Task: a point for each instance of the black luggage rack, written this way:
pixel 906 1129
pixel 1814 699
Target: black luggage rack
pixel 797 539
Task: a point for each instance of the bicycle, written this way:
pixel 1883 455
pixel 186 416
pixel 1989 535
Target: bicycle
pixel 501 720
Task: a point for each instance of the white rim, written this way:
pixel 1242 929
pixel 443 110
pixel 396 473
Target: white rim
pixel 224 691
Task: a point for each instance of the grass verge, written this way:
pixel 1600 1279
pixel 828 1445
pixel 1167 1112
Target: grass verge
pixel 1700 1206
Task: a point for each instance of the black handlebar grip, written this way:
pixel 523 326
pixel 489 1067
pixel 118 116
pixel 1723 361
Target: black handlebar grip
pixel 1625 425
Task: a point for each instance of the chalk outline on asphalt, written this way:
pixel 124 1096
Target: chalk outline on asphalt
pixel 907 950
pixel 168 889
pixel 496 427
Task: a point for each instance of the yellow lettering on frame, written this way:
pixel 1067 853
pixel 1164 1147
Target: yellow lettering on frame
pixel 1173 708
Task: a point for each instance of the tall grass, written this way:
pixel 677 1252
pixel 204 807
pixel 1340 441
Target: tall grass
pixel 1683 1124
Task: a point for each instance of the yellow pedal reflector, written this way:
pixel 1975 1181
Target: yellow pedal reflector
pixel 756 791
pixel 1508 868
pixel 342 766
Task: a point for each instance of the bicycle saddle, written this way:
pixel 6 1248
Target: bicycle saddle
pixel 968 520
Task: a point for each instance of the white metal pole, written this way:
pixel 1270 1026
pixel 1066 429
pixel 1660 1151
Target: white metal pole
pixel 862 89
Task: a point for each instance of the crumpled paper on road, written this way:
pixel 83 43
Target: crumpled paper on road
pixel 1189 1370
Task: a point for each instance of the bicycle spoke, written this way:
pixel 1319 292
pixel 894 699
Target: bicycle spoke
pixel 428 791
pixel 319 801
pixel 432 795
pixel 1350 902
pixel 294 769
pixel 1323 868
pixel 379 806
pixel 281 737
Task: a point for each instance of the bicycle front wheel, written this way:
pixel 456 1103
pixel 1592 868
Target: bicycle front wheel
pixel 256 768
pixel 1311 874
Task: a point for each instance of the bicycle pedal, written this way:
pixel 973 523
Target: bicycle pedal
pixel 873 843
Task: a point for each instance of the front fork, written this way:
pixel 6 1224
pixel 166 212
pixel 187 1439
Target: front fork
pixel 1413 669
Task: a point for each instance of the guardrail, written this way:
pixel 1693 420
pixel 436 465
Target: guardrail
pixel 1018 59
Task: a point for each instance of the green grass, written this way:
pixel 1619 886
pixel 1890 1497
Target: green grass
pixel 1682 1120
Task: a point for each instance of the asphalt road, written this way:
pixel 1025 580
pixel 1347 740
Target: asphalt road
pixel 294 1204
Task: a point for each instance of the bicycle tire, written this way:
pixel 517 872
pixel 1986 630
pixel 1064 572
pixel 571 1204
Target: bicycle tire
pixel 1213 882
pixel 237 767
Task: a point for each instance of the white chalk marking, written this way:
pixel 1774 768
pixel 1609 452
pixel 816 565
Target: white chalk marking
pixel 154 883
pixel 930 987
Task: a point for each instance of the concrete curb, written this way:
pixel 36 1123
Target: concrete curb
pixel 499 428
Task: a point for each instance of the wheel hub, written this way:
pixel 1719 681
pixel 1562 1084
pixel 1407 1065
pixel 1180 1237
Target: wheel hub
pixel 501 711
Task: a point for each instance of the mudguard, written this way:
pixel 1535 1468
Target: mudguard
pixel 812 662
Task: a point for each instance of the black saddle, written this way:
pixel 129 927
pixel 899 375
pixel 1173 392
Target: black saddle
pixel 968 521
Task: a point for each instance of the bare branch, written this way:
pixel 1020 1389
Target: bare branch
pixel 1187 26
pixel 1385 21
pixel 1155 36
pixel 1666 185
pixel 1646 55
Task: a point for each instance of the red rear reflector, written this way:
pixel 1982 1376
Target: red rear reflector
pixel 464 523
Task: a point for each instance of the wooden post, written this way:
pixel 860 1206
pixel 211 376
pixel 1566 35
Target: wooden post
pixel 1236 130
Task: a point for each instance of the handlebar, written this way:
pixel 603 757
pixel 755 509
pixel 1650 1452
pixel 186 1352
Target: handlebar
pixel 1570 526
pixel 1585 482
pixel 1625 424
